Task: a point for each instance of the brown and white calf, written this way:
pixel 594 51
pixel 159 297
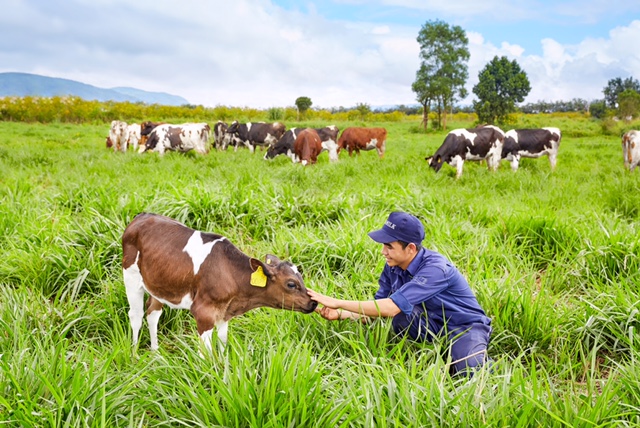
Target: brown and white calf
pixel 203 272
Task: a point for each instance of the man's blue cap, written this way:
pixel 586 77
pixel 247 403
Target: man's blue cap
pixel 400 226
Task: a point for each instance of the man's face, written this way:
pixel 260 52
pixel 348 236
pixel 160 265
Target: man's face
pixel 398 256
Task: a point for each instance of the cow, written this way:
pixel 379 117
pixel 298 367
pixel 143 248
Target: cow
pixel 307 146
pixel 284 146
pixel 631 149
pixel 118 134
pixel 328 135
pixel 181 138
pixel 204 272
pixel 482 143
pixel 255 134
pixel 221 138
pixel 109 143
pixel 133 132
pixel 531 143
pixel 355 139
pixel 145 130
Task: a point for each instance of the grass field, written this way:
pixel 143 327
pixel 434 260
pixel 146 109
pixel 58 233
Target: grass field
pixel 554 259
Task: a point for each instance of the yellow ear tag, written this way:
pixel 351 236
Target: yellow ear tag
pixel 258 278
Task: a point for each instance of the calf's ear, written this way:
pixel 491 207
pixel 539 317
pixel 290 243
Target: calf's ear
pixel 261 273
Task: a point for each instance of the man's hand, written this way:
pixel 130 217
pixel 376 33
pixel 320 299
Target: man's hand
pixel 326 301
pixel 328 313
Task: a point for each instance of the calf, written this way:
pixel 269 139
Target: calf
pixel 631 149
pixel 255 134
pixel 203 272
pixel 307 146
pixel 118 134
pixel 329 137
pixel 355 139
pixel 483 143
pixel 181 138
pixel 531 143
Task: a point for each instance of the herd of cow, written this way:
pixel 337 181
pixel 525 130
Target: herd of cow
pixel 300 144
pixel 483 143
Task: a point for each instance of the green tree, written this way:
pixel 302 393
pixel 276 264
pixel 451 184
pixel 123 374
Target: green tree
pixel 363 109
pixel 443 71
pixel 598 109
pixel 501 85
pixel 628 104
pixel 615 87
pixel 303 104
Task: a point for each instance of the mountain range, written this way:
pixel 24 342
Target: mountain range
pixel 25 84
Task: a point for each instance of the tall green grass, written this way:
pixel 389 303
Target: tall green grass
pixel 554 259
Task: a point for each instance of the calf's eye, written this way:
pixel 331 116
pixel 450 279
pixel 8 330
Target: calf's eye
pixel 291 285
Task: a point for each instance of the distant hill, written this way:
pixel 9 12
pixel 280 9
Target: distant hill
pixel 25 84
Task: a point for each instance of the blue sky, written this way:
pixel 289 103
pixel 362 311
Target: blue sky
pixel 266 53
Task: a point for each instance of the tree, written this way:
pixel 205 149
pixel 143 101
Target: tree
pixel 598 109
pixel 443 71
pixel 628 104
pixel 303 104
pixel 501 85
pixel 615 87
pixel 364 109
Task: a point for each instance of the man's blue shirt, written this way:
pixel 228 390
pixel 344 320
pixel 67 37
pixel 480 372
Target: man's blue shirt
pixel 433 284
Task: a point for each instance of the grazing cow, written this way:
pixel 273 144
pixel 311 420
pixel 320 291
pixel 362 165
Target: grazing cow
pixel 134 135
pixel 631 149
pixel 255 134
pixel 118 134
pixel 145 130
pixel 181 138
pixel 221 138
pixel 328 135
pixel 356 139
pixel 203 272
pixel 482 143
pixel 284 146
pixel 307 146
pixel 531 143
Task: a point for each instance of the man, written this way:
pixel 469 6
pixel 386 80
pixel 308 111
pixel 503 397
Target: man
pixel 424 293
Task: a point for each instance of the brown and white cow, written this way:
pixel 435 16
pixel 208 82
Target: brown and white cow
pixel 328 135
pixel 133 135
pixel 307 146
pixel 181 138
pixel 255 134
pixel 202 272
pixel 145 130
pixel 355 139
pixel 631 149
pixel 531 143
pixel 482 143
pixel 118 134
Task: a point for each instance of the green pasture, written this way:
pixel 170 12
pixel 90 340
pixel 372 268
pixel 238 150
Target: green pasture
pixel 554 259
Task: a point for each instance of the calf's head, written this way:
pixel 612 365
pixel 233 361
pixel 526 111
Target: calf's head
pixel 435 162
pixel 282 283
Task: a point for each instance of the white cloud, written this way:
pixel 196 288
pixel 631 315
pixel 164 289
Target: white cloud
pixel 253 53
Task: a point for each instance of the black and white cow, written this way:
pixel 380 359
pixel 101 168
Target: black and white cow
pixel 255 134
pixel 531 143
pixel 482 143
pixel 328 136
pixel 180 138
pixel 221 138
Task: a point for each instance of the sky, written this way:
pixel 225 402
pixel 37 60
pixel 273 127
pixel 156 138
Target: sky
pixel 339 53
